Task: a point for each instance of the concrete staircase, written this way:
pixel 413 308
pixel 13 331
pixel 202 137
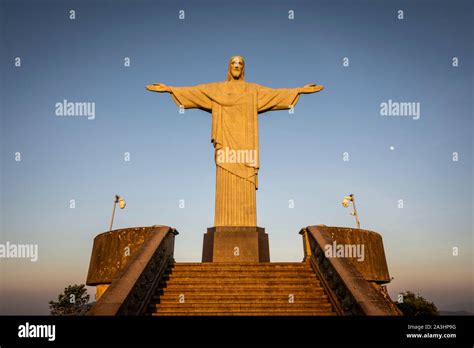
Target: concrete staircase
pixel 249 289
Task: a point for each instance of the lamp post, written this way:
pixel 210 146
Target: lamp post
pixel 345 204
pixel 122 205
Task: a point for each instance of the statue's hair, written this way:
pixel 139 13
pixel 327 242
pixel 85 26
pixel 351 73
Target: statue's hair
pixel 229 75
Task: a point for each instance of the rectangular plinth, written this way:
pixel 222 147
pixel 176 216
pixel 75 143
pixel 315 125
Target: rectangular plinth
pixel 235 244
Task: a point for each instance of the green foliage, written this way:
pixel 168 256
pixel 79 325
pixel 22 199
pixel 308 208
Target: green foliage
pixel 72 302
pixel 416 305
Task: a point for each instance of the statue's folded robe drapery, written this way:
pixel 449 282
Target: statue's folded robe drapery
pixel 235 106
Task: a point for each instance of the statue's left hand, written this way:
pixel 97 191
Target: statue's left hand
pixel 312 88
pixel 158 87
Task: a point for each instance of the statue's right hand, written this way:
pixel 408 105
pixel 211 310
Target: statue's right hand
pixel 158 87
pixel 312 88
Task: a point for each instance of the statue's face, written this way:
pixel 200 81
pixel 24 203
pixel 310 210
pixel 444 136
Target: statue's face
pixel 236 67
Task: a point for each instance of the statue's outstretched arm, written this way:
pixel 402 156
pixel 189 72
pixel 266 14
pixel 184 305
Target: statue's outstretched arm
pixel 187 97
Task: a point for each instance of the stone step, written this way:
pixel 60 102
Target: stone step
pixel 263 300
pixel 246 265
pixel 237 306
pixel 226 285
pixel 233 278
pixel 209 297
pixel 238 288
pixel 241 266
pixel 247 313
pixel 289 263
pixel 241 271
pixel 243 280
pixel 262 306
pixel 239 274
pixel 254 272
pixel 235 294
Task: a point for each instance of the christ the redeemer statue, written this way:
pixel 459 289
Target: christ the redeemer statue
pixel 235 105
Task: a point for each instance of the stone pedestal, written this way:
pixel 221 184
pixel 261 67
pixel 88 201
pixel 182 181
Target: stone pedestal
pixel 235 244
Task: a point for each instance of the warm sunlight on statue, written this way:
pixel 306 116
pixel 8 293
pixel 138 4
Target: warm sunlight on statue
pixel 235 105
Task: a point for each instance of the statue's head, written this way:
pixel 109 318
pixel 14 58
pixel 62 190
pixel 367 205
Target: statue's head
pixel 236 69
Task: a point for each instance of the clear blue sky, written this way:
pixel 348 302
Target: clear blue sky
pixel 81 60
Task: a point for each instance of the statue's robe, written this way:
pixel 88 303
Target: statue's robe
pixel 235 106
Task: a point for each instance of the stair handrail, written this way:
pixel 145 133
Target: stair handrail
pixel 132 288
pixel 347 289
